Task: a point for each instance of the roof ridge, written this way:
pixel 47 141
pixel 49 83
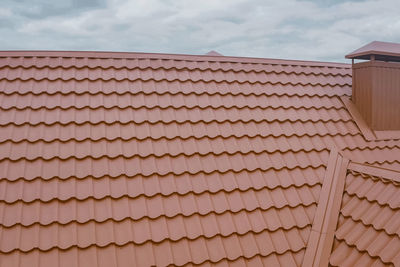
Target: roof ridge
pixel 378 172
pixel 186 57
pixel 327 213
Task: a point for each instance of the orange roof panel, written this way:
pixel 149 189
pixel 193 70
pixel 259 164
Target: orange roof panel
pixel 368 229
pixel 124 159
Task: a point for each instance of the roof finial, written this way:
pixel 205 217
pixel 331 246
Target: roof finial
pixel 214 54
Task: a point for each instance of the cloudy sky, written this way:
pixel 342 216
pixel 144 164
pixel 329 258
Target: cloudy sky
pixel 293 29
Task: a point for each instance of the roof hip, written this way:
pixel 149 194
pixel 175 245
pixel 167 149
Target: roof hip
pixel 327 213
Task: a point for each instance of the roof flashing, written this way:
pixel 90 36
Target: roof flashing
pixel 368 133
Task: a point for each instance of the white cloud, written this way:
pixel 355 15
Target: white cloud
pixel 5 12
pixel 294 29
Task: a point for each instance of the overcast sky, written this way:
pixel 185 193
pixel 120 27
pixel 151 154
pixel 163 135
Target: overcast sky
pixel 293 29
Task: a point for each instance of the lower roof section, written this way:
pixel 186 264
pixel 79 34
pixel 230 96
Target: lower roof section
pixel 260 217
pixel 357 220
pixel 368 230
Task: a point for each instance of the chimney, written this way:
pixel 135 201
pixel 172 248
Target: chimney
pixel 376 84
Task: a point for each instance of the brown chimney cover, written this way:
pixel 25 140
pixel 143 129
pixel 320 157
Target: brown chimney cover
pixel 376 85
pixel 383 51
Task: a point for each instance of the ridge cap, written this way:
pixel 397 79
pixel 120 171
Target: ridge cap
pixel 324 225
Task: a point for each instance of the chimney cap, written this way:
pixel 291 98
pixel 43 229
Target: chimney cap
pixel 383 51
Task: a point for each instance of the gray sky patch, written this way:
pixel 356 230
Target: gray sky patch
pixel 292 29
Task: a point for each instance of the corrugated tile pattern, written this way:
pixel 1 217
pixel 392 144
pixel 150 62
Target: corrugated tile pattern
pixel 368 232
pixel 157 161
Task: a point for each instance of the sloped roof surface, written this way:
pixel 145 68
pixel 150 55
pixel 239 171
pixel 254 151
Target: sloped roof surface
pixel 113 159
pixel 368 231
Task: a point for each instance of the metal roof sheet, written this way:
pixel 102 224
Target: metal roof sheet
pixel 148 159
pixel 368 230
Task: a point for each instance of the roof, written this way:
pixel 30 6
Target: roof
pixel 368 231
pixel 384 51
pixel 121 159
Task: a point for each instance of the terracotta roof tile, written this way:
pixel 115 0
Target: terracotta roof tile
pixel 182 251
pixel 345 255
pixel 368 228
pixel 124 159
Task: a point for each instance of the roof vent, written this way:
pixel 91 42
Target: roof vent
pixel 376 84
pixel 214 54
